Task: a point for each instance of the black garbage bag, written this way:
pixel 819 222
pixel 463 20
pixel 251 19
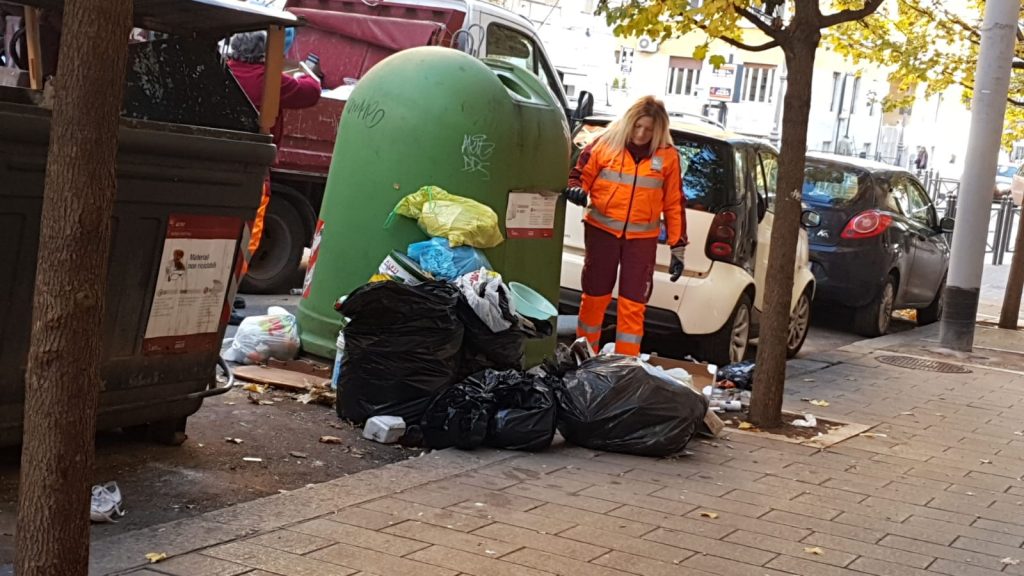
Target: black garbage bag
pixel 740 373
pixel 484 348
pixel 620 404
pixel 525 410
pixel 458 416
pixel 402 346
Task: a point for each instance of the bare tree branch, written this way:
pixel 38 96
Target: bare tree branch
pixel 759 48
pixel 828 20
pixel 757 21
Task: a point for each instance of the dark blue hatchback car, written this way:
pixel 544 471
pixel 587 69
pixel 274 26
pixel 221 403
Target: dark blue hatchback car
pixel 880 245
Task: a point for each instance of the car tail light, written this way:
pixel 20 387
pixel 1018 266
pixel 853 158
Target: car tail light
pixel 722 237
pixel 867 224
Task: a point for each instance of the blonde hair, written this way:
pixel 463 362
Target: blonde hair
pixel 620 132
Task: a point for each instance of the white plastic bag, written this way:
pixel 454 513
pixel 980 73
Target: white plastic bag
pixel 489 297
pixel 260 338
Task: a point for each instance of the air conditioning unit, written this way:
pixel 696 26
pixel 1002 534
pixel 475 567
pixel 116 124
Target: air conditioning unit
pixel 647 44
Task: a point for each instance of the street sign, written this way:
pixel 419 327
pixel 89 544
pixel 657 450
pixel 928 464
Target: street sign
pixel 722 83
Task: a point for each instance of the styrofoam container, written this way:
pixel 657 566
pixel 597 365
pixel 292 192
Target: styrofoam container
pixel 384 429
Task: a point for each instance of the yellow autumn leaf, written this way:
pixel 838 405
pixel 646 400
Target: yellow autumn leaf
pixel 711 515
pixel 820 403
pixel 745 426
pixel 155 557
pixel 815 550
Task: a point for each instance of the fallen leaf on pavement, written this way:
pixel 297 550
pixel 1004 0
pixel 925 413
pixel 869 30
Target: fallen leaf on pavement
pixel 233 440
pixel 337 426
pixel 331 440
pixel 357 452
pixel 873 435
pixel 298 454
pixel 252 399
pixel 1010 561
pixel 745 426
pixel 815 550
pixel 712 515
pixel 155 557
pixel 820 403
pixel 257 388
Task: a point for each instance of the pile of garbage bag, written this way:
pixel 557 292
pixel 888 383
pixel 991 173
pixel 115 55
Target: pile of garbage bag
pixel 510 410
pixel 260 338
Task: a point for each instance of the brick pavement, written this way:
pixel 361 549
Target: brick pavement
pixel 940 493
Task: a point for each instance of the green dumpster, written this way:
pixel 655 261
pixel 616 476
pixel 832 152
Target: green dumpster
pixel 484 129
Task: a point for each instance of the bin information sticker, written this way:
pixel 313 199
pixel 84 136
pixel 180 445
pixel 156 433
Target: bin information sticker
pixel 531 215
pixel 192 284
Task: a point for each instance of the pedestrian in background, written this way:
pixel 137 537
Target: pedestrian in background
pixel 628 180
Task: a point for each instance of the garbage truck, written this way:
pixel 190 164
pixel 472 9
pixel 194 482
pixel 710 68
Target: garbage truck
pixel 349 37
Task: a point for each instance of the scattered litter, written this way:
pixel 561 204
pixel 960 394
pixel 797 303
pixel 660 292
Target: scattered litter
pixel 808 421
pixel 808 379
pixel 252 459
pixel 815 550
pixel 969 493
pixel 1019 433
pixel 337 426
pixel 233 440
pixel 873 435
pixel 230 403
pixel 331 440
pixel 260 338
pixel 711 515
pixel 906 413
pixel 741 374
pixel 106 503
pixel 984 461
pixel 745 426
pixel 357 452
pixel 383 429
pixel 252 399
pixel 820 403
pixel 257 388
pixel 1010 561
pixel 266 402
pixel 322 394
pixel 489 552
pixel 155 557
pixel 298 455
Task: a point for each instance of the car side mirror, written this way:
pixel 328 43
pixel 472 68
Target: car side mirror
pixel 584 106
pixel 810 219
pixel 946 224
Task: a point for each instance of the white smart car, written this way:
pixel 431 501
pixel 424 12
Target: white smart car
pixel 713 311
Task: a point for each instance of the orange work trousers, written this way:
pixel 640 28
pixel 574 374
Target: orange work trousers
pixel 631 262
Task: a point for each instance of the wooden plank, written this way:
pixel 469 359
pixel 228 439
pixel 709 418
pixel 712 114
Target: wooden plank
pixel 35 50
pixel 277 378
pixel 271 105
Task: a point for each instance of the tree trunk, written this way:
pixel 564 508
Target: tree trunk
pixel 1015 282
pixel 770 376
pixel 62 381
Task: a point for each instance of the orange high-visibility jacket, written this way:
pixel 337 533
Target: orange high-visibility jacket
pixel 629 198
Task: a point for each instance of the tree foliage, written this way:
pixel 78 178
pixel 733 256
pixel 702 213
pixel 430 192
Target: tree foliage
pixel 932 44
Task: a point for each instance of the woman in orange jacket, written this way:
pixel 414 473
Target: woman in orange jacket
pixel 630 177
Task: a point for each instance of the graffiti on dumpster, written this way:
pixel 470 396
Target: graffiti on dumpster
pixel 370 112
pixel 476 153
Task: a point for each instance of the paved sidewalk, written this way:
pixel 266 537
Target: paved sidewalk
pixel 940 493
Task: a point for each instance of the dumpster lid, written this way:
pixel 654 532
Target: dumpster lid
pixel 215 18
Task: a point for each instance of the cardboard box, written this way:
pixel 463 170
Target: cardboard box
pixel 701 378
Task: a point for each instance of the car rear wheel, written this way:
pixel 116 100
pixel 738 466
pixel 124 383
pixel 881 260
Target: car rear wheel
pixel 799 323
pixel 873 319
pixel 729 343
pixel 933 311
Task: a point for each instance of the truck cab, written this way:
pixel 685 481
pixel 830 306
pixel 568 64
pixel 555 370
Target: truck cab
pixel 350 37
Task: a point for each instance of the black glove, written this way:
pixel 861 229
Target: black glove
pixel 676 267
pixel 576 195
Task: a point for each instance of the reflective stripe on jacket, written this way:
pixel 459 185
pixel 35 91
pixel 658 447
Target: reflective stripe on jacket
pixel 627 197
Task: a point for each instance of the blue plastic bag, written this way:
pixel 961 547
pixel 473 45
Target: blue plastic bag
pixel 444 262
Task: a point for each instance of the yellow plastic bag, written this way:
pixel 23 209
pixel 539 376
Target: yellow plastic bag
pixel 462 221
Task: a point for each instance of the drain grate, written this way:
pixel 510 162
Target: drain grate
pixel 912 363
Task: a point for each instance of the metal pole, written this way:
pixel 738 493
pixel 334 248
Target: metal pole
pixel 988 108
pixel 1014 282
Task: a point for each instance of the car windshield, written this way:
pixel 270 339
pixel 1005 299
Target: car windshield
pixel 832 185
pixel 708 180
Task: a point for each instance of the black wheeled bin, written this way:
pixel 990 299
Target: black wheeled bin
pixel 185 193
